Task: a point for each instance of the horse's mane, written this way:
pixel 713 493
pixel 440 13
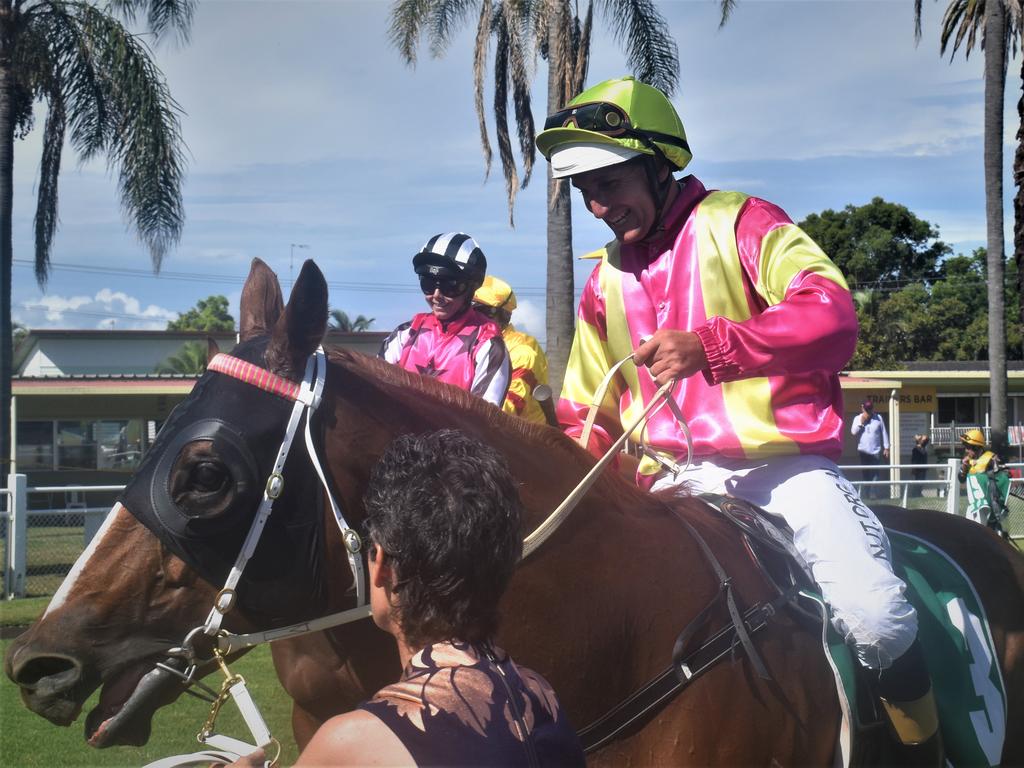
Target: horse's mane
pixel 422 392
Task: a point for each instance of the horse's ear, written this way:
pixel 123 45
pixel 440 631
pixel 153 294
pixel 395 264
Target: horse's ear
pixel 299 331
pixel 261 304
pixel 212 348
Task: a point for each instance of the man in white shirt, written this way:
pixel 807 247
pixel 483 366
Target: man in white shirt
pixel 872 445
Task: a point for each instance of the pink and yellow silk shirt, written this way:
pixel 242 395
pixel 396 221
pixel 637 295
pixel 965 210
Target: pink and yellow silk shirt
pixel 774 315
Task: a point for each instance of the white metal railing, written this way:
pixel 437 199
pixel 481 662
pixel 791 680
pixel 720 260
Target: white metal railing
pixel 16 515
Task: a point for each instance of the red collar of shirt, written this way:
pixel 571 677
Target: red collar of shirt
pixel 691 192
pixel 454 326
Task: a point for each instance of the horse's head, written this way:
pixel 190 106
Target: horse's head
pixel 152 572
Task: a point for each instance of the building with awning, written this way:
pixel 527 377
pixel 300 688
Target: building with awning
pixel 87 404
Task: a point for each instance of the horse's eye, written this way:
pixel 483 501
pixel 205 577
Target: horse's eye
pixel 208 477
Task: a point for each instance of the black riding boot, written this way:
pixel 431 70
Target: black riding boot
pixel 905 689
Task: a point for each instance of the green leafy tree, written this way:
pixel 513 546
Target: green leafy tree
pixel 999 22
pixel 190 359
pixel 104 96
pixel 878 243
pixel 340 321
pixel 209 314
pixel 561 34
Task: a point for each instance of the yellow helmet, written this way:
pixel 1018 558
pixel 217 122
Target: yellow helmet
pixel 496 293
pixel 610 123
pixel 973 438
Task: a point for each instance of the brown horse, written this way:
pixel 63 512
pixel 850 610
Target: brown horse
pixel 596 609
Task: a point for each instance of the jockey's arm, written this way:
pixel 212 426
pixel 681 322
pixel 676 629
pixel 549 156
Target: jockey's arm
pixel 589 361
pixel 492 372
pixel 809 322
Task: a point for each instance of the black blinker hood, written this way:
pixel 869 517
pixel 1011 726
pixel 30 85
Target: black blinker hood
pixel 238 428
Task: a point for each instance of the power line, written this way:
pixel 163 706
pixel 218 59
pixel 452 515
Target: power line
pixel 363 287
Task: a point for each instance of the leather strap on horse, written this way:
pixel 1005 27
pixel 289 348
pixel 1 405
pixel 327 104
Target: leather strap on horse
pixel 681 673
pixel 684 669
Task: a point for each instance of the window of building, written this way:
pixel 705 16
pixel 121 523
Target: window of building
pixel 88 444
pixel 35 445
pixel 959 409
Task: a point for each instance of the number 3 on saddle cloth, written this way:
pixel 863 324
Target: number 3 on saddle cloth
pixel 952 627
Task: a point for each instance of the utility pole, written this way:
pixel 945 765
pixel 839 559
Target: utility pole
pixel 291 263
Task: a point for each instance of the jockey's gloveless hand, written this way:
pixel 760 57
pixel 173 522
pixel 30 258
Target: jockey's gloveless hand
pixel 671 355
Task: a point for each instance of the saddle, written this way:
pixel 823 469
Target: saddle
pixel 953 630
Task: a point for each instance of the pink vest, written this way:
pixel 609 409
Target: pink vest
pixel 447 354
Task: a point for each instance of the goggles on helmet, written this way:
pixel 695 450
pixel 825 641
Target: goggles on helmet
pixel 449 286
pixel 600 117
pixel 608 119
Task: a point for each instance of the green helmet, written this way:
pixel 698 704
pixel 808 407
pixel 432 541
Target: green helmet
pixel 610 123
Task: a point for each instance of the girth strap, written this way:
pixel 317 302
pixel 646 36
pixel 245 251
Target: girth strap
pixel 684 669
pixel 681 673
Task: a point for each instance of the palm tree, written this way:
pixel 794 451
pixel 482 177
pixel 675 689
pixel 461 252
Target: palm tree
pixel 999 23
pixel 103 93
pixel 340 321
pixel 555 29
pixel 191 359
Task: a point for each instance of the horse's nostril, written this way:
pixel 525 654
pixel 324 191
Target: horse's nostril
pixel 52 673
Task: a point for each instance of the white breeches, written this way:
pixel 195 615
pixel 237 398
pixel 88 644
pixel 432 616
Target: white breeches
pixel 840 539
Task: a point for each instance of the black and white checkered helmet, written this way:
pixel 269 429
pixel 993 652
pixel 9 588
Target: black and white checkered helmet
pixel 451 254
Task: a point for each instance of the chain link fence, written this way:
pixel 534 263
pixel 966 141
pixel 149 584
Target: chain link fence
pixel 41 546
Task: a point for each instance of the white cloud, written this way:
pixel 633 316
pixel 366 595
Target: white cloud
pixel 529 318
pixel 106 309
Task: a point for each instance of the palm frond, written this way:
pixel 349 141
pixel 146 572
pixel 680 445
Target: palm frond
pixel 579 75
pixel 407 17
pixel 651 53
pixel 161 15
pixel 483 37
pixel 727 7
pixel 963 20
pixel 501 66
pixel 49 171
pixel 124 108
pixel 512 10
pixel 445 18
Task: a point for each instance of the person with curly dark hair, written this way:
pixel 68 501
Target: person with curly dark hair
pixel 443 524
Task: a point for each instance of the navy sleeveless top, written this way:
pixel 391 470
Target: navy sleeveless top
pixel 463 705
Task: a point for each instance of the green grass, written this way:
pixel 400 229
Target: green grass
pixel 23 611
pixel 28 740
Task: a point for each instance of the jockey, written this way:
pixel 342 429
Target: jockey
pixel 982 472
pixel 496 299
pixel 723 293
pixel 453 342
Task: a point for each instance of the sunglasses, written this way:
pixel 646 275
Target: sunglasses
pixel 448 286
pixel 600 117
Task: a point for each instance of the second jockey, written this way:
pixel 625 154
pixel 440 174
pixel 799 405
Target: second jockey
pixel 723 293
pixel 496 299
pixel 453 342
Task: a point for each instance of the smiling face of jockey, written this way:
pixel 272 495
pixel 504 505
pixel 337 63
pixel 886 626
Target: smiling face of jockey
pixel 621 196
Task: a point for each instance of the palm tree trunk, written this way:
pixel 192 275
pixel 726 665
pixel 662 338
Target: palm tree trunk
pixel 1018 200
pixel 561 297
pixel 6 244
pixel 995 83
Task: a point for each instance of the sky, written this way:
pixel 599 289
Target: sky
pixel 308 137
